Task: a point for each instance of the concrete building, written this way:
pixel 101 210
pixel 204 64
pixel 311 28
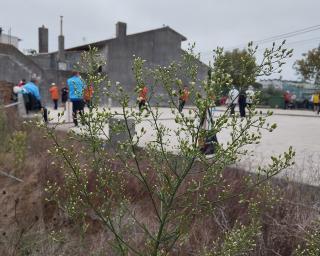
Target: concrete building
pixel 158 47
pixel 9 39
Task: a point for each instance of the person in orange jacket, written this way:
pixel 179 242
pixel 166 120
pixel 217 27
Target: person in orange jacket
pixel 88 93
pixel 54 91
pixel 184 96
pixel 142 99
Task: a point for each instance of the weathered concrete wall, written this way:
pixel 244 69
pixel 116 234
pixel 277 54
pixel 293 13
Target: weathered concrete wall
pixel 72 58
pixel 49 61
pixel 12 71
pixel 45 61
pixel 14 66
pixel 157 48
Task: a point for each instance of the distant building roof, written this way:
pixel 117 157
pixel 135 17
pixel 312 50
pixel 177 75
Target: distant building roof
pixel 103 42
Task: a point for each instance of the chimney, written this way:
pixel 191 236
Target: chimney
pixel 121 30
pixel 43 39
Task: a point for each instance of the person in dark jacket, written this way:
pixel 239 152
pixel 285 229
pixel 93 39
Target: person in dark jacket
pixel 242 103
pixel 209 143
pixel 64 95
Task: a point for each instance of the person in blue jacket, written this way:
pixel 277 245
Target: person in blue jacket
pixel 76 88
pixel 32 97
pixel 32 88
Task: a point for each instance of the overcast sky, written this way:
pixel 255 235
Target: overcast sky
pixel 209 23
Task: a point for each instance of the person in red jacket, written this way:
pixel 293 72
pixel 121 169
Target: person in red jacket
pixel 22 83
pixel 142 99
pixel 54 91
pixel 184 96
pixel 287 99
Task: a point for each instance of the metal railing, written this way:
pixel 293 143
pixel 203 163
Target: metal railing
pixel 11 105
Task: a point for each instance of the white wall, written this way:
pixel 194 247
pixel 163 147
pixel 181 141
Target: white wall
pixel 6 39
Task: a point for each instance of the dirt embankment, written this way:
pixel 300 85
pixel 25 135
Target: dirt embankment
pixel 21 202
pixel 30 225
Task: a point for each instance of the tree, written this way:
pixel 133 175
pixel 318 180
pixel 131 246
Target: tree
pixel 180 184
pixel 267 94
pixel 309 66
pixel 240 65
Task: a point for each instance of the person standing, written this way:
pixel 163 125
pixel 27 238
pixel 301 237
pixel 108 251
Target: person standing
pixel 315 99
pixel 310 102
pixel 76 88
pixel 287 99
pixel 249 96
pixel 184 96
pixel 54 91
pixel 64 95
pixel 233 99
pixel 142 97
pixel 209 143
pixel 318 111
pixel 242 103
pixel 88 94
pixel 16 89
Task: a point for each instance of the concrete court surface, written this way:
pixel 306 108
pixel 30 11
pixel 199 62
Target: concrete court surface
pixel 297 128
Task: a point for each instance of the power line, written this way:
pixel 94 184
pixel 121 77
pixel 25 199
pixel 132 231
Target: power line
pixel 314 39
pixel 282 36
pixel 275 38
pixel 298 42
pixel 290 34
pixel 306 40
